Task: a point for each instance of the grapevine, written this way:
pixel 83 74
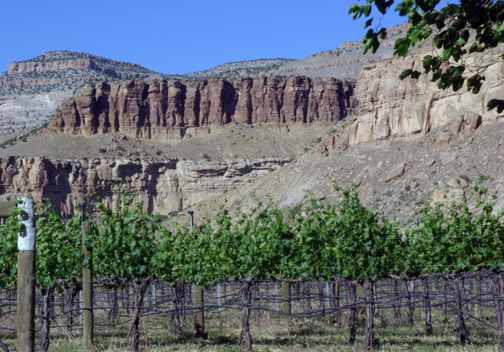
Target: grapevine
pixel 343 242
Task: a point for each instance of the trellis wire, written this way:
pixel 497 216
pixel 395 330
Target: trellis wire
pixel 155 302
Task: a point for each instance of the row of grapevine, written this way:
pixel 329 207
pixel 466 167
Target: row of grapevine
pixel 344 241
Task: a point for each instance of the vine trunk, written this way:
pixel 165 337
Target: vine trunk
pixel 426 298
pixel 178 293
pixel 139 289
pixel 335 303
pixel 457 287
pixel 352 292
pixel 45 320
pixel 246 291
pixel 69 296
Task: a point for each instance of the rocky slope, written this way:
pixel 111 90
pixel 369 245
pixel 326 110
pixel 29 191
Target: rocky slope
pixel 345 62
pixel 396 178
pixel 169 175
pixel 170 109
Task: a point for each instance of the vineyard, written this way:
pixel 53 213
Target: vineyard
pixel 114 266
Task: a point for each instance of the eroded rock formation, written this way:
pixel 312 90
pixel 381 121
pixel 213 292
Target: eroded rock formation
pixel 163 186
pixel 165 109
pixel 389 107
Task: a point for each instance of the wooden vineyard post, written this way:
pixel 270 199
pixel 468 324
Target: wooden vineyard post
pixel 26 278
pixel 276 296
pixel 477 293
pixel 286 297
pixel 219 297
pixel 362 296
pixel 87 288
pixel 199 319
pixel 223 292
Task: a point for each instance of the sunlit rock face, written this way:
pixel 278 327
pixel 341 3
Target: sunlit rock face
pixel 166 109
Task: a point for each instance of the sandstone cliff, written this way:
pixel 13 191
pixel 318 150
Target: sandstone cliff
pixel 164 186
pixel 166 109
pixel 57 74
pixel 389 107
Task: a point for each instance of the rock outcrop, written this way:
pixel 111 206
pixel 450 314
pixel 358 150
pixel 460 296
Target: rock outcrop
pixel 67 60
pixel 389 107
pixel 167 109
pixel 35 66
pixel 27 112
pixel 164 187
pixel 30 82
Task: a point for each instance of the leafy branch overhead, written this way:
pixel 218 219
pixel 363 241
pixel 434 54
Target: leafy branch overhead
pixel 457 29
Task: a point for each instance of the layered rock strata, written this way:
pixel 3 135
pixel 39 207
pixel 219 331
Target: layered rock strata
pixel 166 109
pixel 66 60
pixel 34 66
pixel 166 186
pixel 389 107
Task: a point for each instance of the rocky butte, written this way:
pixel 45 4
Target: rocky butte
pixel 169 109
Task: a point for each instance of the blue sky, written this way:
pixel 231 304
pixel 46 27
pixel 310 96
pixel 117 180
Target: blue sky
pixel 177 36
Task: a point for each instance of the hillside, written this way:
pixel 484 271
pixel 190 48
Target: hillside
pixel 31 90
pixel 63 71
pixel 345 62
pixel 401 143
pixel 252 68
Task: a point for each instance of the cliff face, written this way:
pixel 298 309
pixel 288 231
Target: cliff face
pixel 66 60
pixel 165 186
pixel 389 107
pixel 165 109
pixel 34 66
pixel 26 112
